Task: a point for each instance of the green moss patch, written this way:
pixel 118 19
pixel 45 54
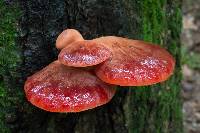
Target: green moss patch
pixel 9 59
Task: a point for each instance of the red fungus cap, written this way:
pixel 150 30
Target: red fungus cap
pixel 84 53
pixel 58 88
pixel 134 63
pixel 67 37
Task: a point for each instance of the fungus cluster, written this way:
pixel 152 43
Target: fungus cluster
pixel 66 86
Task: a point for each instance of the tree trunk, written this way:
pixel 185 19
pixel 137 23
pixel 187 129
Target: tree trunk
pixel 151 109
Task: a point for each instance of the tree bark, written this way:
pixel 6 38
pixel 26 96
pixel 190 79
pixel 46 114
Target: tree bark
pixel 151 109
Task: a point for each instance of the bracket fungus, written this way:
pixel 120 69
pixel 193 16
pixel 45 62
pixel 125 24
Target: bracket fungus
pixel 131 62
pixel 134 62
pixel 64 86
pixel 57 88
pixel 84 53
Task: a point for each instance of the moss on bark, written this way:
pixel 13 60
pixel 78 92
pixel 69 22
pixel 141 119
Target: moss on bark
pixel 158 108
pixel 10 94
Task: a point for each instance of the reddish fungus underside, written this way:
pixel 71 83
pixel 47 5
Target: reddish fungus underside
pixel 58 88
pixel 84 53
pixel 134 63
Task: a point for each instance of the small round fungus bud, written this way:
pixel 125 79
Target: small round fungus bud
pixel 67 37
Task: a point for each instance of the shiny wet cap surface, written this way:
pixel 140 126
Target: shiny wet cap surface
pixel 58 88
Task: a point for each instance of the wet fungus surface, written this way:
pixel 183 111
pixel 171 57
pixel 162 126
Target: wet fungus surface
pixel 134 63
pixel 57 88
pixel 84 53
pixel 86 71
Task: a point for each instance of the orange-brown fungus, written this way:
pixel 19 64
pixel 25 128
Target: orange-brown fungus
pixel 119 61
pixel 84 53
pixel 58 88
pixel 67 37
pixel 134 63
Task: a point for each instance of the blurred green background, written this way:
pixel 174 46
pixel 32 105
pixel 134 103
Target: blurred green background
pixel 191 65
